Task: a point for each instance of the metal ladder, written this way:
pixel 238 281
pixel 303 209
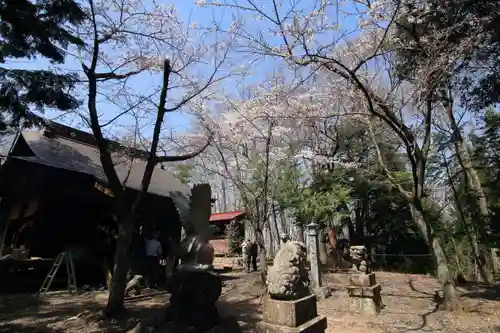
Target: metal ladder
pixel 70 271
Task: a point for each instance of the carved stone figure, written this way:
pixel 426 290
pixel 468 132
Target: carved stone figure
pixel 195 252
pixel 358 257
pixel 288 278
pixel 194 288
pixel 193 297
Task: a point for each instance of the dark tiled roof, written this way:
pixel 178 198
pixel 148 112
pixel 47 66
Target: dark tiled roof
pixel 65 153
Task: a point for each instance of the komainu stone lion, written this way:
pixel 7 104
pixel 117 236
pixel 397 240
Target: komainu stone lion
pixel 359 258
pixel 288 278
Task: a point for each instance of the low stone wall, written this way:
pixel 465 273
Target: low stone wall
pixel 228 263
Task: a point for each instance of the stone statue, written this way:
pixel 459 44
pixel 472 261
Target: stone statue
pixel 195 254
pixel 194 250
pixel 288 278
pixel 194 288
pixel 358 257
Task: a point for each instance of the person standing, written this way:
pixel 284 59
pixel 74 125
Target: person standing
pixel 284 238
pixel 153 255
pixel 253 256
pixel 245 251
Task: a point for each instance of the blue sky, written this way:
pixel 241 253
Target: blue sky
pixel 189 12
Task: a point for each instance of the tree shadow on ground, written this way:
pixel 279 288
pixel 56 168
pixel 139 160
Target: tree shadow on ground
pixel 29 314
pixel 423 317
pixel 13 307
pixel 228 277
pixel 481 290
pixel 408 296
pixel 413 288
pixel 246 311
pixel 21 328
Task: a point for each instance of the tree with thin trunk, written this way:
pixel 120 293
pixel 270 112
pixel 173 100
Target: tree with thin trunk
pixel 253 185
pixel 129 41
pixel 439 45
pixel 305 37
pixel 248 146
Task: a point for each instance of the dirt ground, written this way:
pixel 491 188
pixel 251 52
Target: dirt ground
pixel 409 307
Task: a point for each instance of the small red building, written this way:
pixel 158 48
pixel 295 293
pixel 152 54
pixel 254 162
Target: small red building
pixel 221 222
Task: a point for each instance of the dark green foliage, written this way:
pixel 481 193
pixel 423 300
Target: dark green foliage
pixel 380 217
pixel 450 49
pixel 487 157
pixel 29 29
pixel 452 42
pixel 374 211
pixel 308 203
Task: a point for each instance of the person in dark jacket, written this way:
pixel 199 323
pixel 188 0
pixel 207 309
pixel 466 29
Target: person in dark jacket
pixel 254 249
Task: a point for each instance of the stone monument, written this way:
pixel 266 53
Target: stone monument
pixel 321 291
pixel 363 288
pixel 312 235
pixel 193 286
pixel 288 305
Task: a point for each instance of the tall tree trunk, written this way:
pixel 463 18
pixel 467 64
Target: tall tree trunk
pixel 275 226
pixel 359 222
pixel 271 240
pixel 127 217
pixel 224 196
pixel 332 240
pixel 450 293
pixel 265 213
pixel 475 186
pixel 300 232
pixel 323 255
pixel 121 265
pixel 259 238
pixel 350 229
pixel 479 264
pixel 284 222
pixel 457 259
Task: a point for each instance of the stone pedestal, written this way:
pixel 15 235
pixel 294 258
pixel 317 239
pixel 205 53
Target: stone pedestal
pixel 365 293
pixel 362 280
pixel 323 292
pixel 192 300
pixel 291 316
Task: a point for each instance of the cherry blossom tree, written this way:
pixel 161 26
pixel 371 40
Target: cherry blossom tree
pixel 247 144
pixel 131 40
pixel 258 136
pixel 355 60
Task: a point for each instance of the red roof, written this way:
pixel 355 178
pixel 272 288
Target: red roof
pixel 226 216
